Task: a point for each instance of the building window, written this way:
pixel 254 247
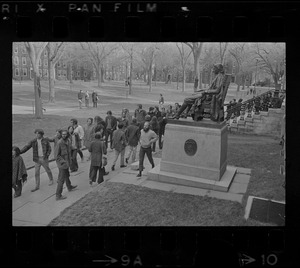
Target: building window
pixel 78 73
pixel 16 60
pixel 17 72
pixel 45 62
pixel 24 62
pixel 58 64
pixel 84 74
pixel 23 50
pixel 58 73
pixel 64 64
pixel 45 72
pixel 16 50
pixel 45 53
pixel 24 71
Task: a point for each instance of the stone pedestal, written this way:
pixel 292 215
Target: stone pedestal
pixel 195 154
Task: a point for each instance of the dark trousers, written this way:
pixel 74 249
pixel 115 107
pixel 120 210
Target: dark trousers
pixel 95 104
pixel 74 164
pixel 63 176
pixel 80 153
pixel 160 143
pixel 144 151
pixel 18 188
pixel 93 173
pixel 109 133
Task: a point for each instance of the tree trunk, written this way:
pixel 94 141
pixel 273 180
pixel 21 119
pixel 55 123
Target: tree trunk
pixel 150 78
pixel 200 80
pixel 99 76
pixel 196 73
pixel 70 73
pixel 37 96
pixel 51 71
pixel 183 80
pixel 177 80
pixel 102 74
pixel 130 74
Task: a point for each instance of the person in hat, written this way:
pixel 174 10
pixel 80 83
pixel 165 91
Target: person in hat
pixel 19 173
pixel 41 151
pixel 215 87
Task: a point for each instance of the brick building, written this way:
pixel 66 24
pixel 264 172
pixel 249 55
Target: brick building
pixel 22 69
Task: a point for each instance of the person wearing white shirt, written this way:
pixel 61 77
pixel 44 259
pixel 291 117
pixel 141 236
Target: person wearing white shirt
pixel 78 129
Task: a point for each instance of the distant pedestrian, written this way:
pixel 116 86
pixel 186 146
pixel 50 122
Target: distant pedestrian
pixel 140 114
pixel 41 151
pixel 154 125
pixel 132 137
pixel 97 149
pixel 170 111
pixel 146 139
pixel 80 97
pixel 87 99
pixel 80 131
pixel 74 142
pixel 119 144
pixel 161 100
pixel 19 173
pixel 95 99
pixel 62 155
pixel 111 126
pixel 87 135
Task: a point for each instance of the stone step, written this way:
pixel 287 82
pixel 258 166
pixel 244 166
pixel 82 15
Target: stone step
pixel 223 185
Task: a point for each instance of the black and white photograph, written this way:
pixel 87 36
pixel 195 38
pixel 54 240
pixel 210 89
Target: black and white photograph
pixel 148 134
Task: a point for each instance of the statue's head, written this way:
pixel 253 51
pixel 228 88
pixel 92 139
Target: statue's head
pixel 218 68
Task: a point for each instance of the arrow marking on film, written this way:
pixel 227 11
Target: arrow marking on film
pixel 111 260
pixel 247 259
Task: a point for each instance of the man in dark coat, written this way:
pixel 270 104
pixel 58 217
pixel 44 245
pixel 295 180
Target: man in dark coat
pixel 140 114
pixel 162 125
pixel 41 151
pixel 132 137
pixel 62 155
pixel 95 99
pixel 119 144
pixel 97 149
pixel 111 126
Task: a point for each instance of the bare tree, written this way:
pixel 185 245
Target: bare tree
pixel 128 48
pixel 98 53
pixel 242 56
pixel 271 57
pixel 34 50
pixel 54 53
pixel 147 55
pixel 222 51
pixel 196 49
pixel 184 56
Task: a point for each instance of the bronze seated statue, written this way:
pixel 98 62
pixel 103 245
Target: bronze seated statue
pixel 211 105
pixel 208 103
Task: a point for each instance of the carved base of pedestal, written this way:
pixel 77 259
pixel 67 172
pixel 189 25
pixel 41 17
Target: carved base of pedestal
pixel 222 185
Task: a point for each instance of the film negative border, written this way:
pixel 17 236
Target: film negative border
pixel 150 21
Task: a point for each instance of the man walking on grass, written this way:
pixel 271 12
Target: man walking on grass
pixel 41 151
pixel 80 97
pixel 62 155
pixel 148 137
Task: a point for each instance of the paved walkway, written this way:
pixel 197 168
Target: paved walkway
pixel 40 208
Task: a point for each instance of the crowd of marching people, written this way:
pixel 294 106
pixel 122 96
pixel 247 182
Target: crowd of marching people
pixel 119 134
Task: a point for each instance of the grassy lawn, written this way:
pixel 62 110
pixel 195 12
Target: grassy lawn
pixel 117 204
